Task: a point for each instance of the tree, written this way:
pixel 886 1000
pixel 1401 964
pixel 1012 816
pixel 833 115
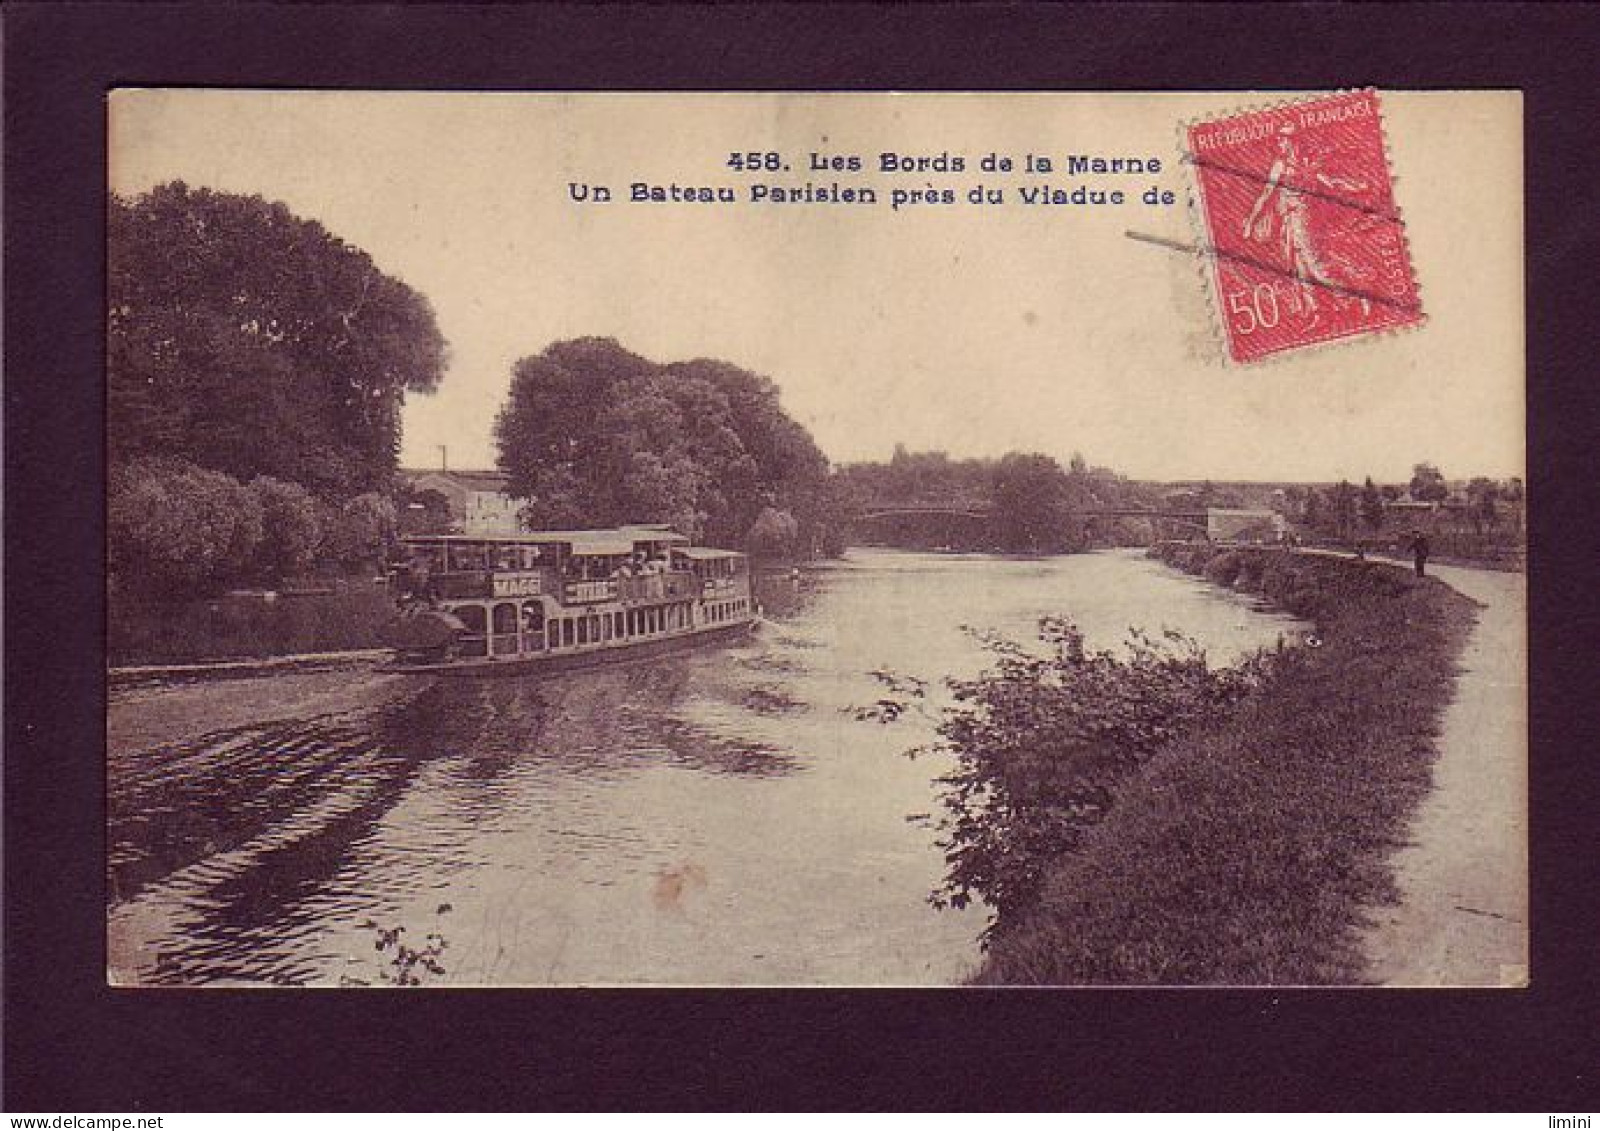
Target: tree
pixel 1371 505
pixel 291 529
pixel 424 512
pixel 1029 493
pixel 1428 485
pixel 592 434
pixel 1342 508
pixel 173 529
pixel 1483 497
pixel 247 340
pixel 1314 514
pixel 775 532
pixel 370 525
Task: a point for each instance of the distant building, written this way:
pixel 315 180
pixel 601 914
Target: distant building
pixel 1240 524
pixel 478 500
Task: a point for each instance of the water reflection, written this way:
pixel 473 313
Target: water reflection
pixel 711 817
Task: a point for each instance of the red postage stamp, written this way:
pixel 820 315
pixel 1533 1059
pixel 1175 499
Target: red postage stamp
pixel 1305 241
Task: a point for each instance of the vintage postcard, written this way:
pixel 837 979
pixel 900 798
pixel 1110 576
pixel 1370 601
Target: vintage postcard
pixel 779 539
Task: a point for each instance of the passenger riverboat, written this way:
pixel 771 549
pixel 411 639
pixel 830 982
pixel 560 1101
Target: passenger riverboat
pixel 480 604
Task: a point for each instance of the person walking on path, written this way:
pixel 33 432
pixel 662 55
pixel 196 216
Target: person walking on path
pixel 1419 551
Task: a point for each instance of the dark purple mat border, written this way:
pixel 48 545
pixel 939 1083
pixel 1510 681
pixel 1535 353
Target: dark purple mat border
pixel 73 1045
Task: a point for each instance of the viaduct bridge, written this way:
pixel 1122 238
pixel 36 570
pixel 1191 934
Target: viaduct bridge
pixel 959 521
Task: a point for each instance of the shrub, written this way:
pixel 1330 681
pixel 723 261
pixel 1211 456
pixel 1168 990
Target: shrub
pixel 1042 741
pixel 291 531
pixel 174 528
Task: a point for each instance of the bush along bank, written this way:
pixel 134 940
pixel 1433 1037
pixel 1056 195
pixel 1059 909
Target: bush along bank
pixel 1149 820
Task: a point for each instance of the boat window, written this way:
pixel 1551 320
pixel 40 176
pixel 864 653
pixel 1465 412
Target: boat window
pixel 473 616
pixel 595 635
pixel 532 616
pixel 505 619
pixel 566 631
pixel 430 558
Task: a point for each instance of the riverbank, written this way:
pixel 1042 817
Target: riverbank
pixel 1254 850
pixel 349 617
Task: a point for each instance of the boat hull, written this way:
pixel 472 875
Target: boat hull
pixel 542 662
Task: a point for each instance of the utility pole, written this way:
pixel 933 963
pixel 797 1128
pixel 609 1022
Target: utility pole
pixel 444 458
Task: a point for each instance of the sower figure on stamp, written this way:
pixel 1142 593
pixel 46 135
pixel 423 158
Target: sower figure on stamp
pixel 1287 181
pixel 1419 551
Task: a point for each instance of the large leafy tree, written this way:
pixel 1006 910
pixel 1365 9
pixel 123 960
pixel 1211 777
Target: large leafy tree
pixel 247 340
pixel 1032 504
pixel 593 434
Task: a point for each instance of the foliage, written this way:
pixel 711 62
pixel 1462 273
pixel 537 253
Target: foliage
pixel 423 512
pixel 407 965
pixel 1428 485
pixel 175 530
pixel 291 529
pixel 1314 515
pixel 592 435
pixel 1342 508
pixel 371 525
pixel 1371 505
pixel 1252 850
pixel 775 532
pixel 186 628
pixel 1049 521
pixel 1483 497
pixel 1040 743
pixel 172 528
pixel 1032 506
pixel 245 339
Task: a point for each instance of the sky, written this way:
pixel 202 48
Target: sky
pixel 970 329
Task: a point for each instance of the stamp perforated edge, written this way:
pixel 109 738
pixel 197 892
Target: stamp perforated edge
pixel 1205 262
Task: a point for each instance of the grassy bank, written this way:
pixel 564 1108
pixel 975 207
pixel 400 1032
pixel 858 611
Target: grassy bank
pixel 1244 851
pixel 146 631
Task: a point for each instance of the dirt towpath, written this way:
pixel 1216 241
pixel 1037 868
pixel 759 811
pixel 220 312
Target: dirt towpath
pixel 1463 914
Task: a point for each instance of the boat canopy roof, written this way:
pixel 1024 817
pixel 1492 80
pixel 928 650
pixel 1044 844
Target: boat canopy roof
pixel 619 541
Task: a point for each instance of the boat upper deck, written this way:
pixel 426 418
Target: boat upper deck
pixel 627 564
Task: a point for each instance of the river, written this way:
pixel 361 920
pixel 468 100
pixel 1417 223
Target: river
pixel 717 817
